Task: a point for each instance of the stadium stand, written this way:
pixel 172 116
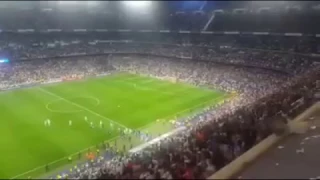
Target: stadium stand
pixel 270 57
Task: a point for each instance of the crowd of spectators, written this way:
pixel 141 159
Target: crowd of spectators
pixel 288 55
pixel 271 87
pixel 228 78
pixel 217 135
pixel 17 74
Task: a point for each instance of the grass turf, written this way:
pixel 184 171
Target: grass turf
pixel 126 100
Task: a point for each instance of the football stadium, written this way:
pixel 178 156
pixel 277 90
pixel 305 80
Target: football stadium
pixel 159 89
pixel 84 116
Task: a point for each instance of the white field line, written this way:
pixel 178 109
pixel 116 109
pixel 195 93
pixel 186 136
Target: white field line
pixel 79 106
pixel 109 140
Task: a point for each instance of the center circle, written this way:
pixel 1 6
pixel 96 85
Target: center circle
pixel 69 105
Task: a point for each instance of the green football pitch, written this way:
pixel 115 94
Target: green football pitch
pixel 124 100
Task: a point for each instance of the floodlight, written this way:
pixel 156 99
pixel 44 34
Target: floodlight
pixel 137 4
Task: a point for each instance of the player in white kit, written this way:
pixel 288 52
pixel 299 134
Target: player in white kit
pixel 49 122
